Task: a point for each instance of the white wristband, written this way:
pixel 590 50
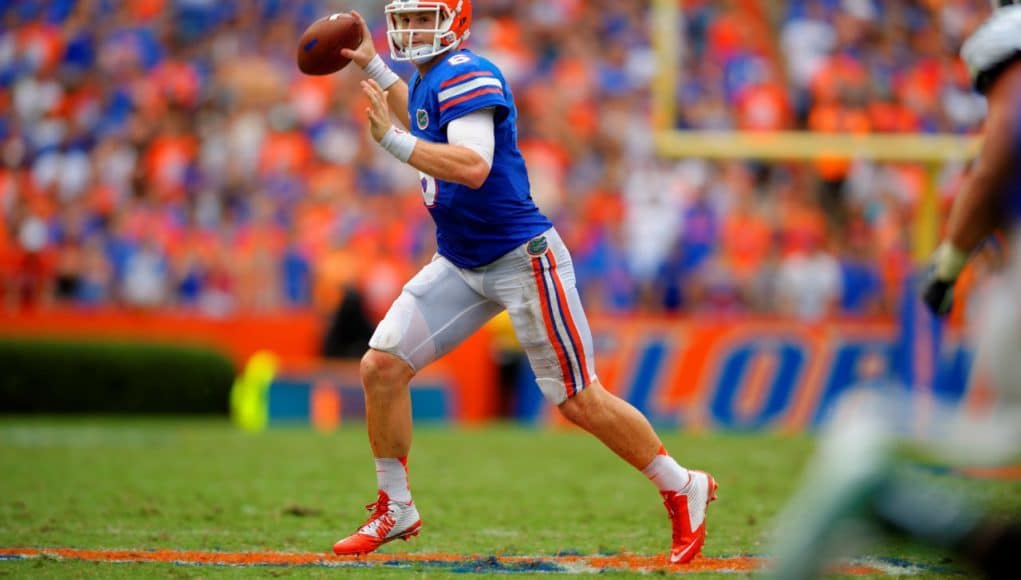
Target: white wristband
pixel 381 73
pixel 398 143
pixel 949 261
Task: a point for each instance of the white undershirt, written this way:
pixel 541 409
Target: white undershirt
pixel 476 132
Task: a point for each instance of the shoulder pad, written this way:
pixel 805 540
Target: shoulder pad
pixel 995 43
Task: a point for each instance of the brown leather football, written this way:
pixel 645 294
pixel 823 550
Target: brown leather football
pixel 320 44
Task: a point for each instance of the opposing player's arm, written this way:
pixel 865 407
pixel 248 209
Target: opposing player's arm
pixel 977 210
pixel 366 57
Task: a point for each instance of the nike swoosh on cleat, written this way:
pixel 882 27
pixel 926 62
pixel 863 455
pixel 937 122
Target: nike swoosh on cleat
pixel 675 558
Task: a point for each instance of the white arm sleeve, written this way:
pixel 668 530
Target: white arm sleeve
pixel 476 132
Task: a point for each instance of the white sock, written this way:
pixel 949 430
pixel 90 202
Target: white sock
pixel 666 473
pixel 392 475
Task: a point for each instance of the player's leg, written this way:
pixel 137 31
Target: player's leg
pixel 628 433
pixel 859 488
pixel 616 423
pixel 926 511
pixel 536 283
pixel 435 312
pixel 999 331
pixel 385 379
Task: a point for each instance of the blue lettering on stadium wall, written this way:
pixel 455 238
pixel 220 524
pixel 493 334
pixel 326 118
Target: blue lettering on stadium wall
pixel 745 377
pixel 735 382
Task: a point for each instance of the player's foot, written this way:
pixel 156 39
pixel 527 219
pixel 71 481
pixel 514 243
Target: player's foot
pixel 830 515
pixel 389 520
pixel 687 509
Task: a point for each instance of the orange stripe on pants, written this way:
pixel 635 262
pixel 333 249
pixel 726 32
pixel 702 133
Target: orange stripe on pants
pixel 569 321
pixel 551 329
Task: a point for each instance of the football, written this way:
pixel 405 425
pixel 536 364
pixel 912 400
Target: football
pixel 320 44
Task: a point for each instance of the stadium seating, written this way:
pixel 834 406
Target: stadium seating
pixel 164 154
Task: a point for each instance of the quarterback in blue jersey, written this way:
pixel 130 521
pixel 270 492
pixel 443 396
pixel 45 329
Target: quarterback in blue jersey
pixel 475 226
pixel 456 124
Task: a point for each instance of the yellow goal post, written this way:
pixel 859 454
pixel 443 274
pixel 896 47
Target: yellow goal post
pixel 931 150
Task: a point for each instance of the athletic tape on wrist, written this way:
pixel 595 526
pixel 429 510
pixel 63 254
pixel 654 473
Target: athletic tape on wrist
pixel 949 261
pixel 381 73
pixel 398 143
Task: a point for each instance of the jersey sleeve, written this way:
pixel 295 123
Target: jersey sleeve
pixel 467 88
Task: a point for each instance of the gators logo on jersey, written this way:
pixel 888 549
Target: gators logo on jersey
pixel 537 246
pixel 422 117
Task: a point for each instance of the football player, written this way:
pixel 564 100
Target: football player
pixel 496 251
pixel 990 198
pixel 856 479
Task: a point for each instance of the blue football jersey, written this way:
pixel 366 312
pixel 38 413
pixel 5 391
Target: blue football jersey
pixel 474 226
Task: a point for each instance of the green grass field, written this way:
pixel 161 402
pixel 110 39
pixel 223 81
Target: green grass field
pixel 198 484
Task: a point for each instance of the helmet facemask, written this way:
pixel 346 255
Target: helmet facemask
pixel 404 42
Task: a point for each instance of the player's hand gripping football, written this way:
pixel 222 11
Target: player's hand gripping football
pixel 366 50
pixel 378 110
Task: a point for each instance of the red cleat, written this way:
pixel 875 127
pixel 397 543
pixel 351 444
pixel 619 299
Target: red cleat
pixel 687 509
pixel 389 520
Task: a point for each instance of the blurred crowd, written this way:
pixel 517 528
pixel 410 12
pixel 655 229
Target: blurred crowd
pixel 168 153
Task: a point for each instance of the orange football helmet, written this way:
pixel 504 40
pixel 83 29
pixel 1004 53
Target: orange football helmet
pixel 452 22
